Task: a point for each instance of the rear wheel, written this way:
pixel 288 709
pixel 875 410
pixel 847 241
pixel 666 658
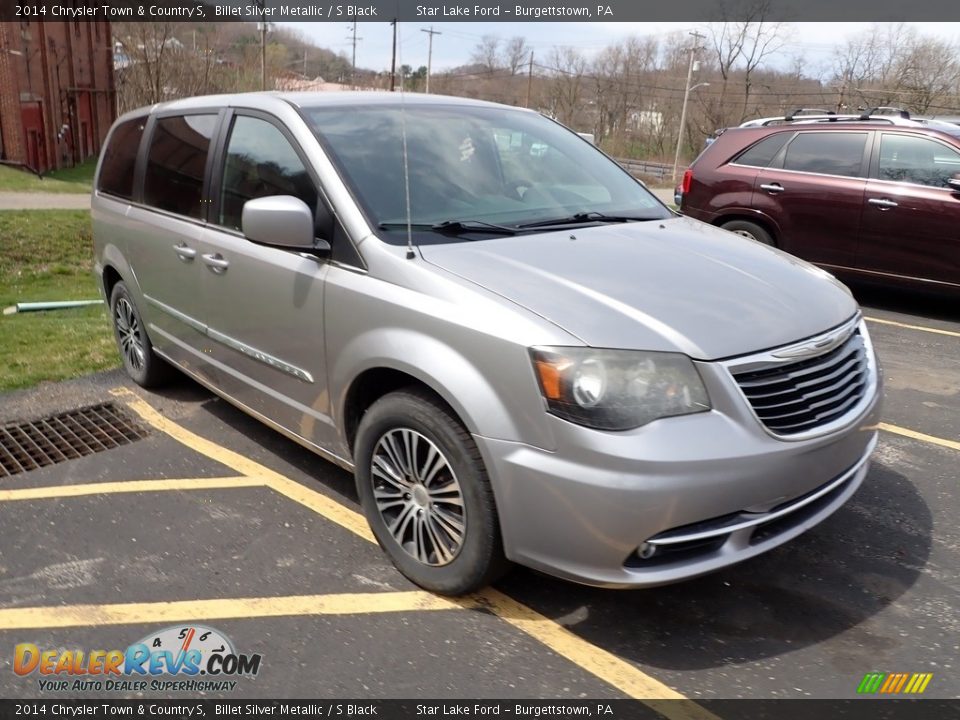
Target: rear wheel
pixel 139 360
pixel 425 493
pixel 749 230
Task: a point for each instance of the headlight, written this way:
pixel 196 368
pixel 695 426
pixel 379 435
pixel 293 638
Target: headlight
pixel 617 389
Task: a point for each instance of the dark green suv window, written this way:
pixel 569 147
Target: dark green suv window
pixel 761 154
pixel 827 153
pixel 917 160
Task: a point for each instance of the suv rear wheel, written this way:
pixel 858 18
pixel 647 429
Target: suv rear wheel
pixel 141 363
pixel 425 493
pixel 749 230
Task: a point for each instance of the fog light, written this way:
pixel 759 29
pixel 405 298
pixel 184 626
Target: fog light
pixel 646 551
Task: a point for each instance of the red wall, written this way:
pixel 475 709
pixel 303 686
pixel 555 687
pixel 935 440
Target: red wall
pixel 56 91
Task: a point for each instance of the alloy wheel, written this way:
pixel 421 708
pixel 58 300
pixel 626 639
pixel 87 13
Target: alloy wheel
pixel 128 330
pixel 418 496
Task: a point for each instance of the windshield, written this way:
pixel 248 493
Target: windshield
pixel 475 165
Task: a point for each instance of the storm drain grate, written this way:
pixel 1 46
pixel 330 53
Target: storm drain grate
pixel 67 436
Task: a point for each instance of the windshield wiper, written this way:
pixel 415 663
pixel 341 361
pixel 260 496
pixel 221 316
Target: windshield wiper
pixel 459 226
pixel 454 227
pixel 583 217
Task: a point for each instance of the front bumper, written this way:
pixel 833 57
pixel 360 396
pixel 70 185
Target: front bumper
pixel 706 490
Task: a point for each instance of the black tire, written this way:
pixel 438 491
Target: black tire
pixel 749 230
pixel 139 360
pixel 416 416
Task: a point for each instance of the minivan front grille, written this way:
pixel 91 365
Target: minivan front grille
pixel 800 397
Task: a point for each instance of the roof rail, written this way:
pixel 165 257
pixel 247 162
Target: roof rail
pixel 808 111
pixel 884 110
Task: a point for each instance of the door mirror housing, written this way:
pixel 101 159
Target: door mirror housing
pixel 281 221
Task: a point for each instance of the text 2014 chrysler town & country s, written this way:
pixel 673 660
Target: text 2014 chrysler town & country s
pixel 522 354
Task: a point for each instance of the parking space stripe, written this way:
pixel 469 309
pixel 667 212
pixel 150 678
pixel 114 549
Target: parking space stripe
pixel 922 328
pixel 329 508
pixel 60 616
pixel 605 665
pixel 128 486
pixel 932 439
pixel 599 662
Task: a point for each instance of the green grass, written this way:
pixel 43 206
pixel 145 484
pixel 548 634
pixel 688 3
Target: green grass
pixel 77 179
pixel 48 255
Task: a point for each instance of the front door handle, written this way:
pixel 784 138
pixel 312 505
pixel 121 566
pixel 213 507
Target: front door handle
pixel 773 188
pixel 216 262
pixel 882 203
pixel 184 252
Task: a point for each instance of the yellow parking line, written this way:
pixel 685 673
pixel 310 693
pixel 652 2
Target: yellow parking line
pixel 907 326
pixel 330 509
pixel 604 665
pixel 932 439
pixel 59 616
pixel 129 486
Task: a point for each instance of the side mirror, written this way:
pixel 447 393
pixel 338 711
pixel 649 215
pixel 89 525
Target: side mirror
pixel 954 183
pixel 281 221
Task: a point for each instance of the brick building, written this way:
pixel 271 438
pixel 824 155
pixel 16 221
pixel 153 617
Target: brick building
pixel 57 95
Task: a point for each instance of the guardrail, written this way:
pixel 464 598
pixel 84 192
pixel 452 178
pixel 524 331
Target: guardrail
pixel 660 171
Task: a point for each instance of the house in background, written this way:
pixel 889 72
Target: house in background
pixel 57 94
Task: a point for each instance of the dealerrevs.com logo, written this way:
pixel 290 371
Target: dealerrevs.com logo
pixel 189 658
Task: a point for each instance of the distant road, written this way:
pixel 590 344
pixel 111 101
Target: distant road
pixel 44 201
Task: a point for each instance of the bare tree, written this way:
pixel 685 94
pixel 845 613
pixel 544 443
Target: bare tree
pixel 568 84
pixel 927 73
pixel 515 54
pixel 618 76
pixel 896 66
pixel 486 53
pixel 741 48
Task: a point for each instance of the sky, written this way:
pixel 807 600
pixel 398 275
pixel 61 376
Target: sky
pixel 453 47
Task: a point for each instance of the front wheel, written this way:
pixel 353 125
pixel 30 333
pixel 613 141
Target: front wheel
pixel 749 230
pixel 426 495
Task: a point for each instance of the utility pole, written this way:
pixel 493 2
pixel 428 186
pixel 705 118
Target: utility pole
pixel 263 55
pixel 353 64
pixel 393 59
pixel 261 8
pixel 431 32
pixel 686 96
pixel 529 79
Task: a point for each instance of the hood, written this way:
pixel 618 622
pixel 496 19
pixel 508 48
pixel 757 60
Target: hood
pixel 671 285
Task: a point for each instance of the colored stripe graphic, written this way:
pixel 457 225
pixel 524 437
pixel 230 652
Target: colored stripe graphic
pixel 894 683
pixel 871 683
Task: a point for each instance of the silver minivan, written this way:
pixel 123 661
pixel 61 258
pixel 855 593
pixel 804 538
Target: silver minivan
pixel 520 353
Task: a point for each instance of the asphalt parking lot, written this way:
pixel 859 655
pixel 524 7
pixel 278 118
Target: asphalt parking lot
pixel 214 521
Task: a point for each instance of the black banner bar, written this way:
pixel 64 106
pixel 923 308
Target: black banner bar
pixel 858 709
pixel 478 10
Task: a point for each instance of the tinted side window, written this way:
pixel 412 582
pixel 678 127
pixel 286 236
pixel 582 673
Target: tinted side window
pixel 917 160
pixel 260 162
pixel 832 153
pixel 176 164
pixel 763 152
pixel 120 159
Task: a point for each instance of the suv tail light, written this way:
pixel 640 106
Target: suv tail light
pixel 687 181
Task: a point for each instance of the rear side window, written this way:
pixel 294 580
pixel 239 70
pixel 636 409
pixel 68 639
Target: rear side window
pixel 260 162
pixel 761 154
pixel 830 153
pixel 120 159
pixel 176 164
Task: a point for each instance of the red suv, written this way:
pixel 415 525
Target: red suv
pixel 875 198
